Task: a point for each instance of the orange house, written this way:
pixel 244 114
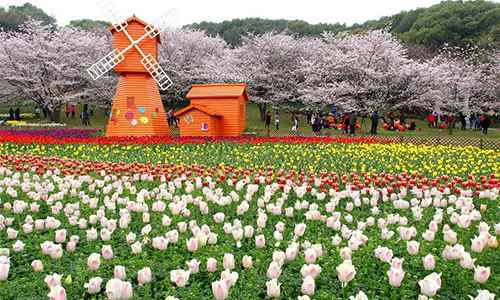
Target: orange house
pixel 137 108
pixel 217 109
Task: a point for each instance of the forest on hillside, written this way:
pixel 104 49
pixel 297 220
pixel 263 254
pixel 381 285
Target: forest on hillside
pixel 455 23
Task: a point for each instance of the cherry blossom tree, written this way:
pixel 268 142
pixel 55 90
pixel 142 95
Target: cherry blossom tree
pixel 464 81
pixel 183 54
pixel 359 72
pixel 47 65
pixel 269 64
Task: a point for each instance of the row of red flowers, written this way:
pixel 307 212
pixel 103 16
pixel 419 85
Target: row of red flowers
pixel 101 140
pixel 322 181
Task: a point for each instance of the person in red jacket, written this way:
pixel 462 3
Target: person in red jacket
pixel 431 118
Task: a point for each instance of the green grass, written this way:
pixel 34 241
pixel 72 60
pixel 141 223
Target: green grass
pixel 254 124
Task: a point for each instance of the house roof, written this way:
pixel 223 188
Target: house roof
pixel 217 90
pixel 201 108
pixel 132 19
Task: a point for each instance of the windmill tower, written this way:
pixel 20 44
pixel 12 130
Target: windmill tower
pixel 137 109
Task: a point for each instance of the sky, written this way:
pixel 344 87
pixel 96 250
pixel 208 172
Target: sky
pixel 189 11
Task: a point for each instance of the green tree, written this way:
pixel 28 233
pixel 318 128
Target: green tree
pixel 13 16
pixel 89 24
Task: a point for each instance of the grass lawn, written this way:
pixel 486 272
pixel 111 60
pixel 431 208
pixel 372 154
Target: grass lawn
pixel 254 124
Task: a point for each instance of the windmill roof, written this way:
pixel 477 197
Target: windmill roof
pixel 217 90
pixel 134 19
pixel 201 108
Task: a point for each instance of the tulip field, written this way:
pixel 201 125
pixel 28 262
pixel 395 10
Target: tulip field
pixel 90 218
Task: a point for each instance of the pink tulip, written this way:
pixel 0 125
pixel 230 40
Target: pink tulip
pixel 397 263
pixel 179 277
pixel 466 261
pixel 192 245
pixel 160 243
pixel 220 289
pixel 260 241
pixel 57 293
pixel 310 256
pixel 310 270
pixel 412 247
pixel 119 272
pixel 483 295
pixel 478 244
pixel 117 289
pixel 228 261
pixel 346 272
pixel 247 262
pixel 308 286
pixel 291 252
pixel 273 288
pixel 395 276
pixel 60 236
pixel 94 261
pixel 144 276
pixel 211 265
pixel 481 274
pixel 71 246
pixel 274 270
pixel 299 229
pixel 107 252
pixel 345 253
pixel 4 270
pixel 94 285
pixel 193 266
pixel 429 262
pixel 430 284
pixel 136 247
pixel 37 265
pixel 53 280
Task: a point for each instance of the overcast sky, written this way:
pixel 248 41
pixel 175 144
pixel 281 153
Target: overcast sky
pixel 189 11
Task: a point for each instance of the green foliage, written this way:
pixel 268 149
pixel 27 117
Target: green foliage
pixel 12 17
pixel 232 31
pixel 456 23
pixel 89 24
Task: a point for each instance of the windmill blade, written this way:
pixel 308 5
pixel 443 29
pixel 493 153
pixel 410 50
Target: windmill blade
pixel 156 71
pixel 112 13
pixel 106 64
pixel 164 22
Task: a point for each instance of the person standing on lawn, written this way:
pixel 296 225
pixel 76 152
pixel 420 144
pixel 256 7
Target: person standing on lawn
pixel 295 124
pixel 268 123
pixel 277 120
pixel 67 110
pixel 11 114
pixel 485 123
pixel 352 123
pixel 463 122
pixel 345 123
pixel 72 109
pixel 85 116
pixel 17 114
pixel 374 118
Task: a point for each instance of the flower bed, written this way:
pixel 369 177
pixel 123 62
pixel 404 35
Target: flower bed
pixel 81 229
pixel 45 135
pixel 318 157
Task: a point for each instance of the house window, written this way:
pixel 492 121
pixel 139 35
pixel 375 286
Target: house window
pixel 204 126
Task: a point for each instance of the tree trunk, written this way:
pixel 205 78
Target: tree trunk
pixel 262 110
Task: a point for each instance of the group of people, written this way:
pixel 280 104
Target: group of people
pixel 476 121
pixel 172 119
pixel 347 123
pixel 15 115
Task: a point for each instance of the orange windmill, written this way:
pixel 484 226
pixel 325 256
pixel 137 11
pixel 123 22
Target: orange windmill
pixel 137 108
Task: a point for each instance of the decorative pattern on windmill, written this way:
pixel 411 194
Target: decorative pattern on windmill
pixel 137 108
